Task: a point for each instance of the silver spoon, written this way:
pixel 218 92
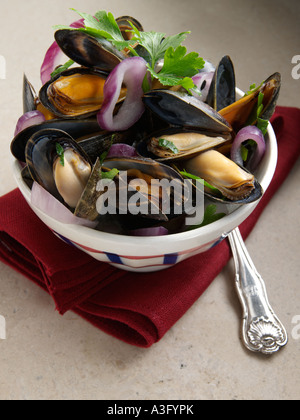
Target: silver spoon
pixel 262 330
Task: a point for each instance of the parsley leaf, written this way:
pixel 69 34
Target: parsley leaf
pixel 261 123
pixel 61 153
pixel 62 68
pixel 197 178
pixel 210 216
pixel 179 67
pixel 108 27
pixel 110 174
pixel 89 20
pixel 169 145
pixel 156 43
pixel 253 88
pixel 102 25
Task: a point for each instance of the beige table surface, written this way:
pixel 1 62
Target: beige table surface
pixel 46 356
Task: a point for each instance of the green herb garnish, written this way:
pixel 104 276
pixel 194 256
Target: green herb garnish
pixel 169 145
pixel 246 147
pixel 110 174
pixel 214 190
pixel 261 123
pixel 210 216
pixel 253 88
pixel 255 116
pixel 62 68
pixel 179 67
pixel 61 153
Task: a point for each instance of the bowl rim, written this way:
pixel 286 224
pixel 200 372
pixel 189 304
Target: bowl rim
pixel 172 243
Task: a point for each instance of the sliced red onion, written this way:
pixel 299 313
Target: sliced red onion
pixel 55 57
pixel 203 82
pixel 48 204
pixel 28 119
pixel 249 133
pixel 130 72
pixel 154 231
pixel 122 150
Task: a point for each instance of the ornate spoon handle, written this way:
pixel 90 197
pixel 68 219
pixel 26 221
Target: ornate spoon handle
pixel 262 330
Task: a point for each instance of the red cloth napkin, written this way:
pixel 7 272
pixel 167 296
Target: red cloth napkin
pixel 136 308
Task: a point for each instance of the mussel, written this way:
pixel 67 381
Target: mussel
pixel 244 111
pixel 144 176
pixel 222 90
pixel 79 129
pixel 88 51
pixel 58 164
pixel 31 101
pixel 138 199
pixel 185 143
pixel 193 126
pixel 182 110
pixel 75 93
pixel 234 182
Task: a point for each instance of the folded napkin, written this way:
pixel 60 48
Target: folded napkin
pixel 136 308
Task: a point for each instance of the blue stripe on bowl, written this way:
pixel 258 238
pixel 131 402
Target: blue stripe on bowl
pixel 67 241
pixel 114 259
pixel 170 259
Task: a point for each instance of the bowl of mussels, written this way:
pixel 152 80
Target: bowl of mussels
pixel 137 152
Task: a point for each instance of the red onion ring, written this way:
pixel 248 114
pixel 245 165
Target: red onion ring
pixel 28 119
pixel 199 80
pixel 248 133
pixel 131 72
pixel 154 231
pixel 55 57
pixel 122 150
pixel 48 204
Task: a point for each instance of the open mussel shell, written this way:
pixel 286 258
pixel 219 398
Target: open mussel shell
pixel 88 51
pixel 75 129
pixel 244 111
pixel 152 172
pixel 222 92
pixel 74 93
pixel 41 156
pixel 187 143
pixel 183 110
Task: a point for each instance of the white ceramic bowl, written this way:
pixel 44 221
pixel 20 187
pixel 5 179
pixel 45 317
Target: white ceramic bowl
pixel 154 253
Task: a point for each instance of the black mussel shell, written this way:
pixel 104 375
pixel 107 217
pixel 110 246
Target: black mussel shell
pixel 183 110
pixel 222 92
pixel 41 152
pixel 75 129
pixel 29 96
pixel 87 50
pixel 272 87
